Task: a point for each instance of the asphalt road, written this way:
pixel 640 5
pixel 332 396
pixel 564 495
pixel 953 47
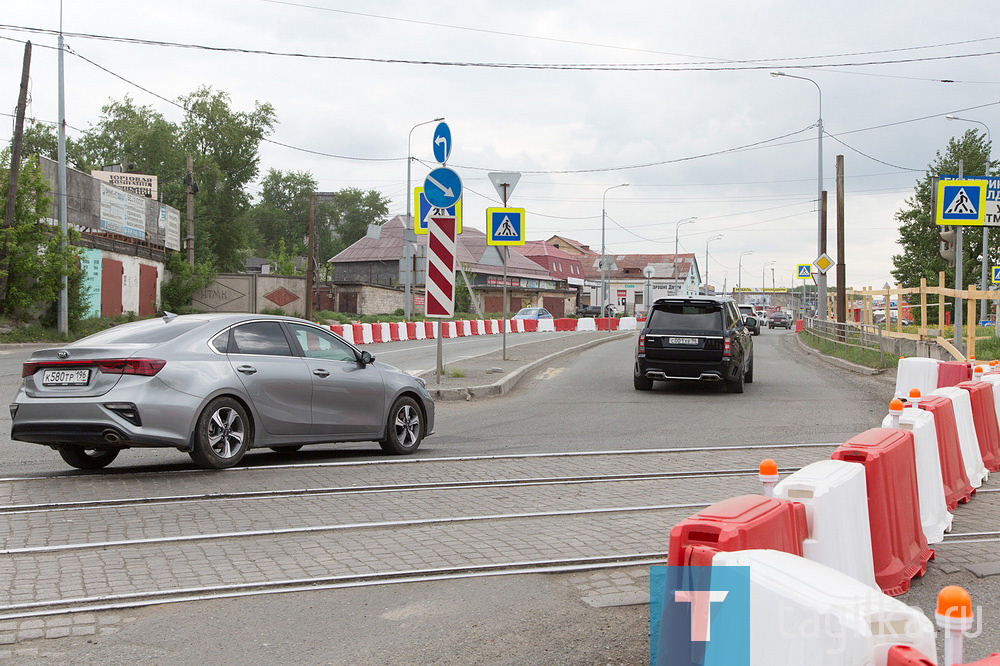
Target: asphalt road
pixel 580 403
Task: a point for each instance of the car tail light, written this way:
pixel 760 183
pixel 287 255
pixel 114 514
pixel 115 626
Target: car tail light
pixel 113 366
pixel 642 343
pixel 726 346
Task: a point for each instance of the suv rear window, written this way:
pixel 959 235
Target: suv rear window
pixel 687 316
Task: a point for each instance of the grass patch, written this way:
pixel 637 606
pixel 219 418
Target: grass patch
pixel 36 333
pixel 866 357
pixel 456 373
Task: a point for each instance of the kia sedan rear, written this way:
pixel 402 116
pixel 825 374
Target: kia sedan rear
pixel 214 386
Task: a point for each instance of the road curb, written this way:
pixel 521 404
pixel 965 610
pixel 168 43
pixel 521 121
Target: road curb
pixel 839 362
pixel 510 381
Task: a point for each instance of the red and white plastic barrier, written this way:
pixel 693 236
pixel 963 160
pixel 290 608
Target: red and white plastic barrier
pixel 365 334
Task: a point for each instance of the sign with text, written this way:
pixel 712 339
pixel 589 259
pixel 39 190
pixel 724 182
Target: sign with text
pixel 122 213
pixel 991 202
pixel 136 183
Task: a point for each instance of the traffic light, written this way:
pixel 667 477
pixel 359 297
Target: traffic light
pixel 947 249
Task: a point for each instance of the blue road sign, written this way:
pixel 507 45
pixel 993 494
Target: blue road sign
pixel 996 275
pixel 442 187
pixel 424 210
pixel 803 271
pixel 442 142
pixel 505 226
pixel 961 202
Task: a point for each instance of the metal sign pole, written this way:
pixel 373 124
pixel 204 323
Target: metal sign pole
pixel 959 260
pixel 503 255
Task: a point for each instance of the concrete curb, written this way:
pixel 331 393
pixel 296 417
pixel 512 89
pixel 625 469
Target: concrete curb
pixel 839 362
pixel 510 381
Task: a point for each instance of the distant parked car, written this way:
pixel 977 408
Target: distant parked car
pixel 748 312
pixel 533 313
pixel 588 311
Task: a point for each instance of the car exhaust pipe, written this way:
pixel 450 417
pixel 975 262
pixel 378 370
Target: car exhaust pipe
pixel 111 437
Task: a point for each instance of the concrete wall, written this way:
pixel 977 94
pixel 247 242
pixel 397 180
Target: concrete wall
pixel 91 266
pixel 241 292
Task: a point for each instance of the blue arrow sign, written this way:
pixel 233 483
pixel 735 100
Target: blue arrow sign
pixel 442 142
pixel 442 187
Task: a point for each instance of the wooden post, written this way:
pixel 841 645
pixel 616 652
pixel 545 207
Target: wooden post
pixel 941 319
pixel 888 311
pixel 970 327
pixel 899 309
pixel 923 307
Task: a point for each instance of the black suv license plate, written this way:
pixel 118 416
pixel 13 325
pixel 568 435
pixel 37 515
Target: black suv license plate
pixel 683 341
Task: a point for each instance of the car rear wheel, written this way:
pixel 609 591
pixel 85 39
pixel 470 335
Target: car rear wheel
pixel 641 383
pixel 405 428
pixel 82 458
pixel 749 376
pixel 222 434
pixel 735 385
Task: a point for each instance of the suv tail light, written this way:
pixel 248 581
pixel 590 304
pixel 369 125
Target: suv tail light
pixel 726 346
pixel 146 367
pixel 642 343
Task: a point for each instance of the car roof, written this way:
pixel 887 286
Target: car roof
pixel 693 299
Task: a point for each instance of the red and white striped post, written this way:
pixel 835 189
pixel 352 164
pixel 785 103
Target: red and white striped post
pixel 441 252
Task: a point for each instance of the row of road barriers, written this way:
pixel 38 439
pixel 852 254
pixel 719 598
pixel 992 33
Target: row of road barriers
pixel 366 334
pixel 830 547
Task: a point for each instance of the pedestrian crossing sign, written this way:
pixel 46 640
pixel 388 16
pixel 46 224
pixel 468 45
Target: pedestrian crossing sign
pixel 424 211
pixel 804 271
pixel 996 275
pixel 505 226
pixel 960 202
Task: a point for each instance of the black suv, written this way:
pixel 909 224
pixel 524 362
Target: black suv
pixel 695 338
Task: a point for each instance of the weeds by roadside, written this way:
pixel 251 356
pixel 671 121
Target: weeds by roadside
pixel 866 357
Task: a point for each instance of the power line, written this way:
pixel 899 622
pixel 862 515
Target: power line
pixel 746 65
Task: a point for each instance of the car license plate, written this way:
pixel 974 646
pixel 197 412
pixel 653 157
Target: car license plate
pixel 683 341
pixel 65 377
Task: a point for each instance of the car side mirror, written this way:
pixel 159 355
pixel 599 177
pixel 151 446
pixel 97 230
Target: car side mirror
pixel 750 321
pixel 367 358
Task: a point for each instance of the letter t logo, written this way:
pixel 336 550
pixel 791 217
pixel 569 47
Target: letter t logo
pixel 701 602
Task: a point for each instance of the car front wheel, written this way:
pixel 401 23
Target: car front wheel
pixel 81 458
pixel 222 435
pixel 405 428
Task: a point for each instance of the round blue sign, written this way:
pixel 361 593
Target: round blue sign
pixel 442 142
pixel 442 188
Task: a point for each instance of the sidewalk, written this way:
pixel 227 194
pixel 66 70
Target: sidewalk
pixel 490 375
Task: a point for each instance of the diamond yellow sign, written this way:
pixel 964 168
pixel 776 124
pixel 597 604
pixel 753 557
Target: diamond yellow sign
pixel 823 263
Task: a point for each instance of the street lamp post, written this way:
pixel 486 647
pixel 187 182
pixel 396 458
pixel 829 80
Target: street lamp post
pixel 986 230
pixel 821 304
pixel 763 279
pixel 677 230
pixel 713 238
pixel 407 249
pixel 739 276
pixel 604 201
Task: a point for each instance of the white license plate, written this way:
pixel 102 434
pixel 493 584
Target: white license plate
pixel 683 341
pixel 65 377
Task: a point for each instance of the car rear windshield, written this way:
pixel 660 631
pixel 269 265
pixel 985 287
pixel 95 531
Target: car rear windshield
pixel 153 331
pixel 687 316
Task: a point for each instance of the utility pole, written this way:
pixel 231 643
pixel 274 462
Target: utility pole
pixel 15 164
pixel 309 257
pixel 191 188
pixel 63 317
pixel 841 262
pixel 822 250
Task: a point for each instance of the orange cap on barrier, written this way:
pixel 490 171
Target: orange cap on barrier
pixel 914 393
pixel 954 601
pixel 896 405
pixel 768 467
pixel 994 362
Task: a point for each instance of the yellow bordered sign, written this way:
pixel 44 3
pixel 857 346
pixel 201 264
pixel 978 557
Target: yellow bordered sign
pixel 803 271
pixel 960 202
pixel 422 208
pixel 505 226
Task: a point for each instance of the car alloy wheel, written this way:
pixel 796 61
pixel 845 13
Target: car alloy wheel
pixel 226 432
pixel 223 434
pixel 405 428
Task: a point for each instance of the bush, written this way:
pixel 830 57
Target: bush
pixel 185 280
pixel 274 311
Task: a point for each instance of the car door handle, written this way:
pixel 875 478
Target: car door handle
pixel 321 372
pixel 247 369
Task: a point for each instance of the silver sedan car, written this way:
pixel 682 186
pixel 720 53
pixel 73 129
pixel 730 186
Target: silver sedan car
pixel 215 386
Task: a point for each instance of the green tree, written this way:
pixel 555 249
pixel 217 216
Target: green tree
pixel 225 144
pixel 36 258
pixel 185 280
pixel 344 218
pixel 919 235
pixel 281 262
pixel 41 139
pixel 143 141
pixel 282 213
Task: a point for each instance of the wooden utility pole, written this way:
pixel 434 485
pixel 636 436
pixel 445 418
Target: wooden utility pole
pixel 841 265
pixel 309 257
pixel 825 303
pixel 191 187
pixel 15 164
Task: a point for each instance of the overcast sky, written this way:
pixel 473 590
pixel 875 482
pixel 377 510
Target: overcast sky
pixel 594 123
